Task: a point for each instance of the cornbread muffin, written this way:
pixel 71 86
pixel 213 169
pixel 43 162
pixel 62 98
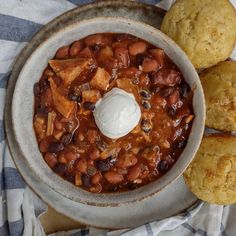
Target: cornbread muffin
pixel 219 85
pixel 212 174
pixel 206 30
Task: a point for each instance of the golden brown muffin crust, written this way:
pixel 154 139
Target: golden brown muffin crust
pixel 206 30
pixel 219 85
pixel 212 174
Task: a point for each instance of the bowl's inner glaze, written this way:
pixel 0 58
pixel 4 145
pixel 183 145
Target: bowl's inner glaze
pixel 22 109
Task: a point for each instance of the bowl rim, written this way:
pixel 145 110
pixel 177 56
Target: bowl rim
pixel 107 199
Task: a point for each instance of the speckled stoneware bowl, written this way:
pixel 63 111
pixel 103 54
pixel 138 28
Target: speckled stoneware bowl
pixel 23 105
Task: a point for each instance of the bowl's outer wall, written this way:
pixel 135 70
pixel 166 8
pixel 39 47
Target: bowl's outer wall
pixel 22 107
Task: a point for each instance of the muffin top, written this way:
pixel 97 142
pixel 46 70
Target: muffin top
pixel 219 85
pixel 206 30
pixel 212 174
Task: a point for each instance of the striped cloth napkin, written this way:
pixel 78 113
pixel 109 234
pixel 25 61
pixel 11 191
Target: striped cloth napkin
pixel 20 208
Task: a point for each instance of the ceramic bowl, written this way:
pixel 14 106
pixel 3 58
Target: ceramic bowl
pixel 23 105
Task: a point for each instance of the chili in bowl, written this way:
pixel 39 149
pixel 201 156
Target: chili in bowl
pixel 118 111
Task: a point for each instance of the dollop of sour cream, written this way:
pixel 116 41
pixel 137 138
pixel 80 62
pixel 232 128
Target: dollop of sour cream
pixel 117 113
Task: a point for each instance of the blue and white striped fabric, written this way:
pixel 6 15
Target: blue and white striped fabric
pixel 19 20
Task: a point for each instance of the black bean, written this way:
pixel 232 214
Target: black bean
pixel 135 81
pixel 114 188
pixel 95 47
pixel 163 166
pixel 105 165
pixel 86 180
pixel 66 138
pixel 55 147
pixel 146 126
pixel 37 89
pixel 89 106
pixel 171 111
pixel 139 59
pixel 91 170
pixel 74 97
pixel 60 168
pixel 145 94
pixel 179 145
pixel 69 177
pixel 146 105
pixel 132 186
pixel 101 145
pixel 183 89
pixel 42 110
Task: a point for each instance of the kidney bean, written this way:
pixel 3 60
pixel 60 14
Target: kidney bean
pixel 75 48
pixel 80 137
pixel 126 161
pixel 96 188
pixel 149 65
pixel 95 154
pixel 48 72
pixel 159 55
pixel 43 146
pixel 57 79
pixel 96 178
pixel 60 168
pixel 62 53
pixel 133 173
pixel 37 89
pixel 71 156
pixel 167 91
pixel 81 165
pixel 183 112
pixel 144 80
pixel 51 159
pixel 86 53
pixel 46 98
pixel 113 177
pixel 145 94
pixel 55 147
pixel 86 180
pixel 167 77
pixel 89 106
pixel 122 55
pixel 105 52
pixel 137 48
pixel 131 72
pixel 97 39
pixel 92 136
pixel 173 98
